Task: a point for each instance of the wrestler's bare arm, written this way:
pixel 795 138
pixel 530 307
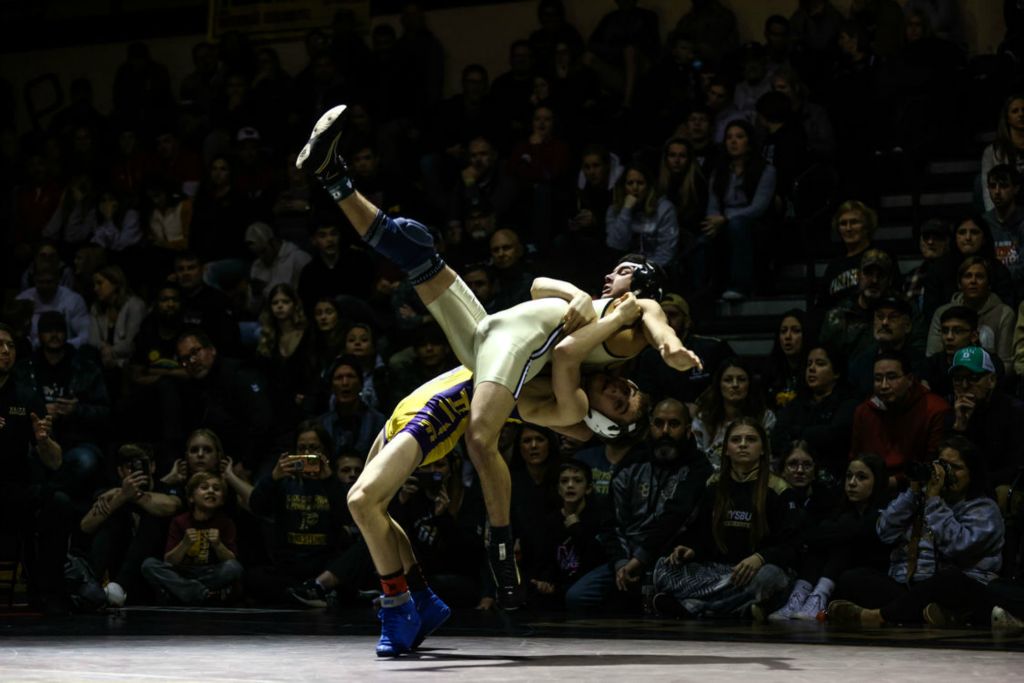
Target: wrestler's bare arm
pixel 566 401
pixel 660 335
pixel 581 309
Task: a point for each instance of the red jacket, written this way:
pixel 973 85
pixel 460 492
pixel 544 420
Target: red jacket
pixel 910 433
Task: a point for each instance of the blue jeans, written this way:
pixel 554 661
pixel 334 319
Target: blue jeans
pixel 190 584
pixel 591 590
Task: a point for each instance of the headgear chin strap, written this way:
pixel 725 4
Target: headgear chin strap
pixel 648 282
pixel 603 426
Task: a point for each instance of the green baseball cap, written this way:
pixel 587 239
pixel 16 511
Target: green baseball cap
pixel 973 358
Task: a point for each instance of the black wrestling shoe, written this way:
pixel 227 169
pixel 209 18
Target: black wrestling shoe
pixel 322 157
pixel 510 593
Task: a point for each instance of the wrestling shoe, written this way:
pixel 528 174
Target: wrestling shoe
pixel 399 625
pixel 321 155
pixel 433 612
pixel 309 593
pixel 509 590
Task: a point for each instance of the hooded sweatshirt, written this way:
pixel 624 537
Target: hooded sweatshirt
pixel 996 321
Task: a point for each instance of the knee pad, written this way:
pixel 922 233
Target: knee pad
pixel 408 244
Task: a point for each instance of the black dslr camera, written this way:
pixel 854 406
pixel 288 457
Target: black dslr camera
pixel 922 471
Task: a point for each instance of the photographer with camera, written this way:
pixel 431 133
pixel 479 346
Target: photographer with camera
pixel 949 536
pixel 129 522
pixel 306 504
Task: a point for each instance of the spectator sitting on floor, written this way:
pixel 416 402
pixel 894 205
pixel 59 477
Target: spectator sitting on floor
pixel 816 491
pixel 823 414
pixel 128 523
pixel 902 421
pixel 844 540
pixel 307 505
pixel 571 547
pixel 657 495
pixel 939 565
pixel 996 320
pixel 199 564
pixel 534 471
pixel 44 518
pixel 733 393
pixel 986 414
pixel 741 546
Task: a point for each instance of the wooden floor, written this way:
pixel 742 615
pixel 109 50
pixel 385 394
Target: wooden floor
pixel 162 644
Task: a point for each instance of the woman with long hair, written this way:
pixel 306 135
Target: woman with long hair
pixel 948 534
pixel 822 413
pixel 972 237
pixel 115 317
pixel 327 333
pixel 783 375
pixel 683 183
pixel 844 540
pixel 534 469
pixel 1008 147
pixel 741 543
pixel 732 394
pixel 640 219
pixel 742 190
pixel 283 348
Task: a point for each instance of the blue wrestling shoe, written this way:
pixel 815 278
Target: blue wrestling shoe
pixel 399 625
pixel 321 155
pixel 433 612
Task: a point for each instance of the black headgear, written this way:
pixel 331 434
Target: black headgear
pixel 648 280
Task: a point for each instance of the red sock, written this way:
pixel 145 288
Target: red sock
pixel 393 584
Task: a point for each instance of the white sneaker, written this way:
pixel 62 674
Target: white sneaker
pixel 792 606
pixel 1004 621
pixel 115 594
pixel 732 295
pixel 809 610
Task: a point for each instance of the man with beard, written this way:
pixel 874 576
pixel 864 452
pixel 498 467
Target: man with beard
pixel 893 330
pixel 848 325
pixel 155 345
pixel 656 497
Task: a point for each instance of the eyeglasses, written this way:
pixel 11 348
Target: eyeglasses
pixel 890 377
pixel 800 465
pixel 187 358
pixel 7 346
pixel 954 329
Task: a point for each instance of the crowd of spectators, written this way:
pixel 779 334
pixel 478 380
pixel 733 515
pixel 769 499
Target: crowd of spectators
pixel 186 310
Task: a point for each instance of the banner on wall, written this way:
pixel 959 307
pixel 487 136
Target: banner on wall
pixel 281 19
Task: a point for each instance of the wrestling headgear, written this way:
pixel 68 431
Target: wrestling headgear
pixel 603 426
pixel 648 280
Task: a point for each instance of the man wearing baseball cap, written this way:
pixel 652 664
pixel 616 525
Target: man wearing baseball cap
pixel 986 414
pixel 892 330
pixel 848 325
